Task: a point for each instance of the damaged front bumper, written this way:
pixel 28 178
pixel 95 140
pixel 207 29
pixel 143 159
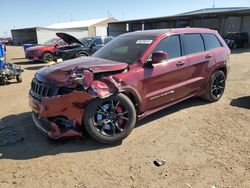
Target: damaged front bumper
pixel 62 104
pixel 60 116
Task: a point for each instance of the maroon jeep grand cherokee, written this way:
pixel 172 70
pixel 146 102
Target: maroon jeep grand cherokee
pixel 133 76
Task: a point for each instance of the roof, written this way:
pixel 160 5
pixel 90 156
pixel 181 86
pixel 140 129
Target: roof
pixel 213 10
pixel 157 32
pixel 207 11
pixel 77 24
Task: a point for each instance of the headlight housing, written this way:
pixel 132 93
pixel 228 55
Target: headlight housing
pixel 37 52
pixel 80 77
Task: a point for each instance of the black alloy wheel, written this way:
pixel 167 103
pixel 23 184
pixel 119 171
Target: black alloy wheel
pixel 80 54
pixel 218 85
pixel 215 87
pixel 47 57
pixel 110 120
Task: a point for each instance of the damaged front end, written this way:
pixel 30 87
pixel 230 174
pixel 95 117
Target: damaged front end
pixel 58 109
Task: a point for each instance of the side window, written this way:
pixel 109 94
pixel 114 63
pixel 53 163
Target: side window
pixel 171 45
pixel 193 43
pixel 106 40
pixel 97 41
pixel 61 43
pixel 211 41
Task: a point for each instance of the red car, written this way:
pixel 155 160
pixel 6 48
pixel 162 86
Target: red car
pixel 45 52
pixel 133 76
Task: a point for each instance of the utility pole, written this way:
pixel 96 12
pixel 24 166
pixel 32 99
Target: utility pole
pixel 213 3
pixel 71 17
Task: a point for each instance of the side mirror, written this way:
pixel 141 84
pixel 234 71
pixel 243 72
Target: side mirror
pixel 158 57
pixel 56 45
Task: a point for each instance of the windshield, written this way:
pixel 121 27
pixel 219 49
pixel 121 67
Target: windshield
pixel 50 42
pixel 86 41
pixel 127 49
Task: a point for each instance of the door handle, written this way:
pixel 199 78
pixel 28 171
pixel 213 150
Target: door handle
pixel 208 56
pixel 180 64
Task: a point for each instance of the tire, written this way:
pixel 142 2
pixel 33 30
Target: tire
pixel 110 122
pixel 3 81
pixel 47 57
pixel 19 78
pixel 215 87
pixel 80 54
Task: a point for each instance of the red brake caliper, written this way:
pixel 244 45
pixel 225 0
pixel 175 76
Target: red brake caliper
pixel 119 110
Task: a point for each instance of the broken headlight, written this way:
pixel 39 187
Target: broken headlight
pixel 80 77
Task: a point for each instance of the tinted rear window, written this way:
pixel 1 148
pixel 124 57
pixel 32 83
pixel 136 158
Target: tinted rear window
pixel 171 45
pixel 193 43
pixel 211 41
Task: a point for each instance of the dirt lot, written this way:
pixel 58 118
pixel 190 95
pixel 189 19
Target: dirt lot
pixel 204 144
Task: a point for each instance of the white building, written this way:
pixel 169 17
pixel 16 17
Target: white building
pixel 78 29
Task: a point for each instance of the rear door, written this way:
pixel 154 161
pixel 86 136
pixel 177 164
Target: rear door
pixel 214 46
pixel 198 60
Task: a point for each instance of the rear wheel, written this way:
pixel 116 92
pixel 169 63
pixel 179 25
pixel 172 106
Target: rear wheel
pixel 216 86
pixel 47 57
pixel 110 120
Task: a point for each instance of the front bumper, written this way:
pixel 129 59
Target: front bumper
pixel 69 107
pixel 39 124
pixel 63 55
pixel 31 56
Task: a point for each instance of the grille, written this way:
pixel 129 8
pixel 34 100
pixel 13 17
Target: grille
pixel 39 89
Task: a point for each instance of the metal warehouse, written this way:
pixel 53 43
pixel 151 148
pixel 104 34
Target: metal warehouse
pixel 39 35
pixel 224 20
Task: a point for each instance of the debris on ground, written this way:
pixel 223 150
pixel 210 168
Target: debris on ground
pixel 159 162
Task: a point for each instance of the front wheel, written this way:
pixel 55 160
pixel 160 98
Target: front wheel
pixel 3 81
pixel 216 86
pixel 47 57
pixel 80 54
pixel 110 120
pixel 19 78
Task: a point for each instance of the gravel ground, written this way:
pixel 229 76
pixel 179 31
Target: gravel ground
pixel 203 144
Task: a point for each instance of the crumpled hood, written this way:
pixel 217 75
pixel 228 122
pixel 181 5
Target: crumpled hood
pixel 59 73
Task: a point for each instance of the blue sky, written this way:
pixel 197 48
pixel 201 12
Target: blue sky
pixel 30 13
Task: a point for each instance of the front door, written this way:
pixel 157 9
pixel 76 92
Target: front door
pixel 163 82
